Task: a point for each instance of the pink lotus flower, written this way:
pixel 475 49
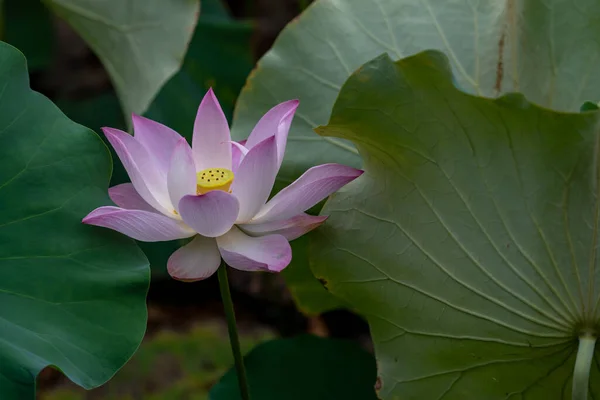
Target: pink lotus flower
pixel 216 191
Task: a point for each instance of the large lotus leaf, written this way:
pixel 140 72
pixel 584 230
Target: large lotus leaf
pixel 470 241
pixel 544 48
pixel 71 295
pixel 140 42
pixel 303 368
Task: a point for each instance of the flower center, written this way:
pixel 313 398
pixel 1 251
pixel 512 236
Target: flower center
pixel 213 179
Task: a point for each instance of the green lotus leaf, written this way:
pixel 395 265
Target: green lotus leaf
pixel 71 295
pixel 546 49
pixel 141 43
pixel 470 242
pixel 301 368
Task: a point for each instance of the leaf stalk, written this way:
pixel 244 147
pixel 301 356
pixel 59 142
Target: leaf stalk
pixel 234 339
pixel 583 363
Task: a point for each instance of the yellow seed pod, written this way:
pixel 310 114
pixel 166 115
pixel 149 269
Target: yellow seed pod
pixel 213 179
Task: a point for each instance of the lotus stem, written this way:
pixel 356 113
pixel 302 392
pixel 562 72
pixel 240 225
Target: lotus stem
pixel 234 339
pixel 583 363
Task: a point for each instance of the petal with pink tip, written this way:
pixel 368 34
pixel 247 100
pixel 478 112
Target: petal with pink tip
pixel 138 224
pixel 255 178
pixel 181 179
pixel 265 253
pixel 210 143
pixel 125 196
pixel 313 186
pixel 276 121
pixel 158 139
pixel 291 228
pixel 211 214
pixel 143 172
pixel 195 261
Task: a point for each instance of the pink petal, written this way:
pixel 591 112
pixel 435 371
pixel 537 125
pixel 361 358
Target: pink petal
pixel 195 261
pixel 238 152
pixel 158 139
pixel 265 253
pixel 291 228
pixel 313 186
pixel 211 139
pixel 211 214
pixel 143 172
pixel 255 178
pixel 138 224
pixel 276 121
pixel 125 196
pixel 181 179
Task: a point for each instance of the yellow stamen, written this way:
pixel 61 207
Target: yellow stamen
pixel 213 179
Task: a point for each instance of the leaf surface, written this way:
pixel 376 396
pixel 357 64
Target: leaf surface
pixel 141 43
pixel 71 295
pixel 303 367
pixel 546 49
pixel 470 242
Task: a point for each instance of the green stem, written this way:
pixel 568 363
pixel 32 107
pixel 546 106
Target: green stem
pixel 234 339
pixel 583 363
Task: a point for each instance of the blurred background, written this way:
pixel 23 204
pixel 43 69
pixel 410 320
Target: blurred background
pixel 186 347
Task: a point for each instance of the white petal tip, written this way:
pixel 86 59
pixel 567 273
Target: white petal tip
pixel 196 261
pixel 277 268
pixel 186 278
